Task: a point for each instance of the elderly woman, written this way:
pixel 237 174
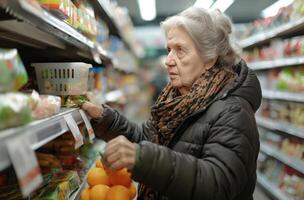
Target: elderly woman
pixel 201 141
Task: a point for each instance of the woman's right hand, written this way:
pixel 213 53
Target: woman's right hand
pixel 93 110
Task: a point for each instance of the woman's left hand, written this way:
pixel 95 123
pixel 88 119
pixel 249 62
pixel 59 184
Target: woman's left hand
pixel 120 153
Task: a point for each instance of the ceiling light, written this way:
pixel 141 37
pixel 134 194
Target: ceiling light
pixel 274 8
pixel 203 3
pixel 222 5
pixel 147 9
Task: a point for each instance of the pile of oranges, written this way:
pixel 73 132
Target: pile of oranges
pixel 105 184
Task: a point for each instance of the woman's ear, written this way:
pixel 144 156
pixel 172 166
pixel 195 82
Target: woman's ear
pixel 210 63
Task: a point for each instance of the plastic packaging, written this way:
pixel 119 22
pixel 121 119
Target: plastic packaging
pixel 12 72
pixel 15 109
pixel 60 187
pixel 74 101
pixel 47 106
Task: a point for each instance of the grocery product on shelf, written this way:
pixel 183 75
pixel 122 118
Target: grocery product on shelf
pixel 293 148
pixel 285 111
pixel 73 101
pixel 80 17
pixel 13 75
pixel 289 79
pixel 284 15
pixel 47 106
pixel 61 8
pixel 290 181
pixel 61 185
pixel 286 144
pixel 15 109
pixel 109 185
pixel 278 48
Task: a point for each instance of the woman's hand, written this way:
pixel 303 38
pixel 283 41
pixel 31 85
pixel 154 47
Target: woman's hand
pixel 93 110
pixel 120 153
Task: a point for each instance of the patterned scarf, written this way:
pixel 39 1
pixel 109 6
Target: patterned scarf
pixel 172 108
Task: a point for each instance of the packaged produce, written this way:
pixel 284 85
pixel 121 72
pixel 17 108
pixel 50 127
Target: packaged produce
pixel 15 109
pixel 285 77
pixel 48 163
pixel 60 187
pixel 13 75
pixel 48 105
pixel 74 101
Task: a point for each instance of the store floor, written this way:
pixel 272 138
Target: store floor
pixel 259 194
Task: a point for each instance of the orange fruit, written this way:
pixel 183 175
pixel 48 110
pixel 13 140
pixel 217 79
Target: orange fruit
pixel 120 177
pixel 132 190
pixel 97 176
pixel 99 164
pixel 99 192
pixel 85 194
pixel 118 192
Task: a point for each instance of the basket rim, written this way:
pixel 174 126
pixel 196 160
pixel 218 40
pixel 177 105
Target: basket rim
pixel 66 64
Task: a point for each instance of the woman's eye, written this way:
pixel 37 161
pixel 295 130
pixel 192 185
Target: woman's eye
pixel 168 50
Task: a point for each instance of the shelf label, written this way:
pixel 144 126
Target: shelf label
pixel 88 125
pixel 25 164
pixel 75 130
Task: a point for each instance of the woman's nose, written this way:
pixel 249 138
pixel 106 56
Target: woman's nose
pixel 170 61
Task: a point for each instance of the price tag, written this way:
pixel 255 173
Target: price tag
pixel 88 125
pixel 75 130
pixel 25 164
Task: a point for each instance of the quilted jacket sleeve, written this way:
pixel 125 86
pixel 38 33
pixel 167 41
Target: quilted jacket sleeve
pixel 114 123
pixel 229 157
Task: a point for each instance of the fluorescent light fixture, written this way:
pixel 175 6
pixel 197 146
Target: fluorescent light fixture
pixel 222 5
pixel 147 9
pixel 203 3
pixel 273 9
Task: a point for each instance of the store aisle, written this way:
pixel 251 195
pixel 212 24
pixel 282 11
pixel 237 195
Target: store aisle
pixel 259 194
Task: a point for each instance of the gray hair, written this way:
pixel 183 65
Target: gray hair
pixel 210 31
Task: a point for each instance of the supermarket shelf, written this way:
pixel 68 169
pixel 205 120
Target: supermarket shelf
pixel 280 126
pixel 38 132
pixel 272 189
pixel 270 64
pixel 283 30
pixel 288 160
pixel 48 29
pixel 104 9
pixel 288 96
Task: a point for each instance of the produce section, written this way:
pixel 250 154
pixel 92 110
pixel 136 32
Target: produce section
pixel 69 52
pixel 274 50
pixel 57 54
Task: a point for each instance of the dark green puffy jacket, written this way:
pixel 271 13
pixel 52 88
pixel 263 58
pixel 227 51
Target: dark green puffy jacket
pixel 213 154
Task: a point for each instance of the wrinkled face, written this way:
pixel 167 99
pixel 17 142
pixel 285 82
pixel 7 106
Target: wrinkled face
pixel 184 65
